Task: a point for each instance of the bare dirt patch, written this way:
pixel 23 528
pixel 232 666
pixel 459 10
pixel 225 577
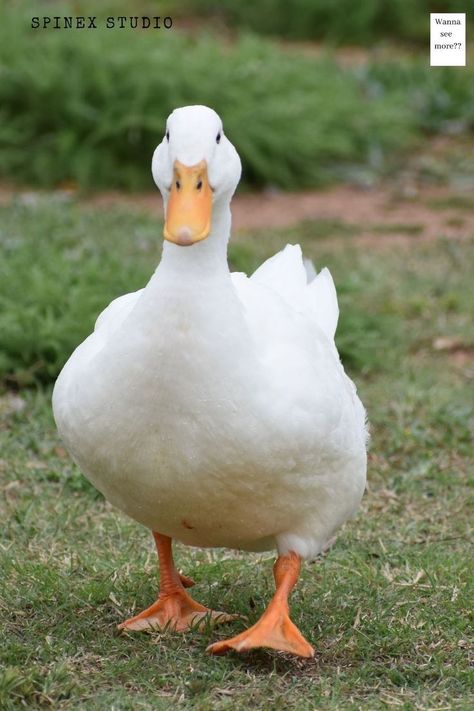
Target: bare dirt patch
pixel 379 216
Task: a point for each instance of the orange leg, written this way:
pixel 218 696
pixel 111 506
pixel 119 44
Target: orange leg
pixel 174 607
pixel 274 629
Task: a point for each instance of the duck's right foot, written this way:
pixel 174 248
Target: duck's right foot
pixel 176 611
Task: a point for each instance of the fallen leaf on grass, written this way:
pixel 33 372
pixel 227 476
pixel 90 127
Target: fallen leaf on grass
pixel 36 464
pixel 448 343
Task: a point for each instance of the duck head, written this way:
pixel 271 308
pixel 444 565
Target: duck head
pixel 197 170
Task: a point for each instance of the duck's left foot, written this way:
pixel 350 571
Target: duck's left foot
pixel 274 629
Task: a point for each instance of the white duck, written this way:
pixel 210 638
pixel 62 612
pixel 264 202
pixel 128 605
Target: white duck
pixel 213 408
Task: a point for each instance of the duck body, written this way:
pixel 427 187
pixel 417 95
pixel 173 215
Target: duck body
pixel 214 408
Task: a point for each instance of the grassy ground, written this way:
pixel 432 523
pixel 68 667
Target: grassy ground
pixel 76 260
pixel 387 608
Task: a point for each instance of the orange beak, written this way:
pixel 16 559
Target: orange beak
pixel 189 211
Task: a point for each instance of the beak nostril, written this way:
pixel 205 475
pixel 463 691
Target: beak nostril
pixel 199 184
pixel 178 185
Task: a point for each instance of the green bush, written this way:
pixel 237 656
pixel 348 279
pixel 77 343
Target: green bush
pixel 89 107
pixel 341 22
pixel 442 98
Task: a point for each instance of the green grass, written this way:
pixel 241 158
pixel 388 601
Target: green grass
pixel 453 202
pixel 296 120
pixel 74 262
pixel 388 608
pixel 404 228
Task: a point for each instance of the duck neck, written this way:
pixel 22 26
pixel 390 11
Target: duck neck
pixel 199 319
pixel 203 260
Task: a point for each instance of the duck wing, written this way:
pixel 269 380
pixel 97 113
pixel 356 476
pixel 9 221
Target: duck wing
pixel 296 282
pixel 115 313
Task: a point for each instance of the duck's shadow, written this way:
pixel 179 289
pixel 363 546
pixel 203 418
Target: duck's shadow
pixel 265 662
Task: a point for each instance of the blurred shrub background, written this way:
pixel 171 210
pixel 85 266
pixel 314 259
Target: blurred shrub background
pixel 341 22
pixel 351 101
pixel 89 106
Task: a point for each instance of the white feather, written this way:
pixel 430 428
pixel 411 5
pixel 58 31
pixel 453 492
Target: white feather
pixel 323 298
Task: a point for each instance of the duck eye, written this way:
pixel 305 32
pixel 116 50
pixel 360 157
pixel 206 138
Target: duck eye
pixel 168 136
pixel 218 137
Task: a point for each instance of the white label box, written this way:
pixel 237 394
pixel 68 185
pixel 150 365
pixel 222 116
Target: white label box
pixel 448 39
